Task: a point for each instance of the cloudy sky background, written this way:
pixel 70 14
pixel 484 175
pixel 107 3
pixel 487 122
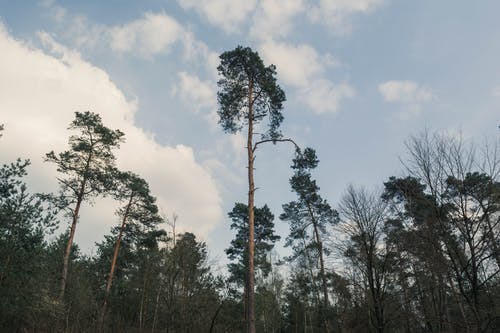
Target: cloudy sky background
pixel 360 77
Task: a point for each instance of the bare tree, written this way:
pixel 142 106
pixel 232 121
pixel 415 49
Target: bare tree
pixel 362 219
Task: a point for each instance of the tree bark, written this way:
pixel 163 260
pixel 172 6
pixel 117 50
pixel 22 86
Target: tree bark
pixel 69 244
pixel 113 262
pixel 322 270
pixel 251 235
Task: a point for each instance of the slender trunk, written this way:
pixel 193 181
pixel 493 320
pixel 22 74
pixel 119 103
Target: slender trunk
pixel 143 306
pixel 113 262
pixel 460 304
pixel 79 199
pixel 251 191
pixel 155 316
pixel 406 307
pixel 212 324
pixel 322 271
pixel 5 269
pixel 69 244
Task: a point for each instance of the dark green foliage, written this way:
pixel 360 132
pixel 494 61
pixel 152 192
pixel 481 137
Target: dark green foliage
pixel 264 242
pixel 134 192
pixel 309 218
pixel 444 230
pixel 242 71
pixel 422 257
pixel 310 211
pixel 88 167
pixel 188 289
pixel 248 92
pixel 135 242
pixel 88 164
pixel 24 222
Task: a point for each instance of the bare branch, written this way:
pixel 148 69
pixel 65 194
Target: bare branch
pixel 274 141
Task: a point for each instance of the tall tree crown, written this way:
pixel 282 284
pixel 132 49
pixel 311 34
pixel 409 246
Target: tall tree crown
pixel 135 193
pixel 310 209
pixel 90 158
pixel 247 84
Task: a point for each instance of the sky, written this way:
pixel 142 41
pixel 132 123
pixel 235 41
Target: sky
pixel 360 76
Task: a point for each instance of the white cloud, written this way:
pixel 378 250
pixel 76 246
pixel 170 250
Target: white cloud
pixel 408 94
pixel 304 69
pixel 39 93
pixel 153 34
pixel 197 52
pixel 156 33
pixel 217 167
pixel 296 65
pixel 150 35
pixel 404 92
pixel 322 96
pixel 227 14
pixel 274 18
pixel 336 13
pixel 199 95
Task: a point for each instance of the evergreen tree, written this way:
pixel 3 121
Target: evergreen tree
pixel 86 167
pixel 309 217
pixel 25 220
pixel 139 214
pixel 264 242
pixel 248 93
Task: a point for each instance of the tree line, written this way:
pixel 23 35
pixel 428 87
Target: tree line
pixel 422 254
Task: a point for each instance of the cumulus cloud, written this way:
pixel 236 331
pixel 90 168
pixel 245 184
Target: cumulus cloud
pixel 274 18
pixel 199 95
pixel 152 34
pixel 322 96
pixel 337 13
pixel 297 65
pixel 303 68
pixel 148 36
pixel 407 93
pixel 404 92
pixel 39 93
pixel 226 14
pixel 196 52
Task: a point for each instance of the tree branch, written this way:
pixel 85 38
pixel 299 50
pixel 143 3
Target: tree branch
pixel 274 141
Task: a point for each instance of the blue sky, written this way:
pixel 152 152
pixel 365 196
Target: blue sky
pixel 360 77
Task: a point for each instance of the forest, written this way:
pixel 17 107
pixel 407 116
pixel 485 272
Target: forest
pixel 420 254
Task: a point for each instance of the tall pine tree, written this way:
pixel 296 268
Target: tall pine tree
pixel 86 168
pixel 248 93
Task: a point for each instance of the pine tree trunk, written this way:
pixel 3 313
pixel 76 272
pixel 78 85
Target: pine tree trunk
pixel 251 191
pixel 69 245
pixel 155 316
pixel 322 271
pixel 113 263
